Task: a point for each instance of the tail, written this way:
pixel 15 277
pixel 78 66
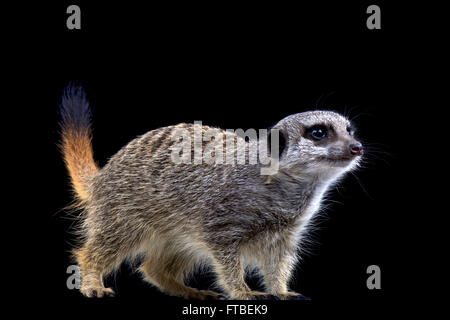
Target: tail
pixel 76 136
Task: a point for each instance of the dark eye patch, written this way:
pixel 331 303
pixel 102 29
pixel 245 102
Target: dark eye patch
pixel 317 132
pixel 351 129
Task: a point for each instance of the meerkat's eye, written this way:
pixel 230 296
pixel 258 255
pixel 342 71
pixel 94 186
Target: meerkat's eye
pixel 349 130
pixel 318 132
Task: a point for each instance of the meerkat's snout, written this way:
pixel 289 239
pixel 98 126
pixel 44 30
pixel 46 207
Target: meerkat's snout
pixel 356 149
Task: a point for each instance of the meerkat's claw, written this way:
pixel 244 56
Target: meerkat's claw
pixel 215 297
pixel 266 297
pixel 296 296
pixel 300 297
pixel 203 295
pixel 98 292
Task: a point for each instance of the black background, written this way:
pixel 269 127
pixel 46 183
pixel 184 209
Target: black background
pixel 234 67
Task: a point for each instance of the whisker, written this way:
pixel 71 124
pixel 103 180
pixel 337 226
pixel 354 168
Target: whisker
pixel 323 97
pixel 362 187
pixel 369 155
pixel 359 115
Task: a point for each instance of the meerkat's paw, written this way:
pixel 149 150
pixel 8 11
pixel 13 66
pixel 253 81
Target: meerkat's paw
pixel 203 295
pixel 97 292
pixel 291 295
pixel 265 297
pixel 254 295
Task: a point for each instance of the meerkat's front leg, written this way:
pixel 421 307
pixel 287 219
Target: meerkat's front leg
pixel 230 274
pixel 277 266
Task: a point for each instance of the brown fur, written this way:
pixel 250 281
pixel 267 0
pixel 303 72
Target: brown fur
pixel 78 156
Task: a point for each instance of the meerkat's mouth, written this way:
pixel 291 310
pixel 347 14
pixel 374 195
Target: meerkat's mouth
pixel 340 159
pixel 337 159
pixel 341 162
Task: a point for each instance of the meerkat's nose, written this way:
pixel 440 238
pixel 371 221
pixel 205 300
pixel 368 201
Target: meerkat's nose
pixel 356 149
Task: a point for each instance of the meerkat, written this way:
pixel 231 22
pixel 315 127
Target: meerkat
pixel 177 216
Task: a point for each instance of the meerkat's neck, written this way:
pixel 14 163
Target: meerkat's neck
pixel 303 195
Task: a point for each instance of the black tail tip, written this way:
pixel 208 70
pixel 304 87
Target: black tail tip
pixel 74 106
pixel 74 90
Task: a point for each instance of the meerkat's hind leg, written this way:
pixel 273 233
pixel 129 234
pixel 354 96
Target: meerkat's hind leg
pixel 168 273
pixel 92 272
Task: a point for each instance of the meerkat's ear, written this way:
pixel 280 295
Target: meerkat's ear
pixel 282 141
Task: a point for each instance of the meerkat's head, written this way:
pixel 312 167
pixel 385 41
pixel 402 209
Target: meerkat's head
pixel 321 143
